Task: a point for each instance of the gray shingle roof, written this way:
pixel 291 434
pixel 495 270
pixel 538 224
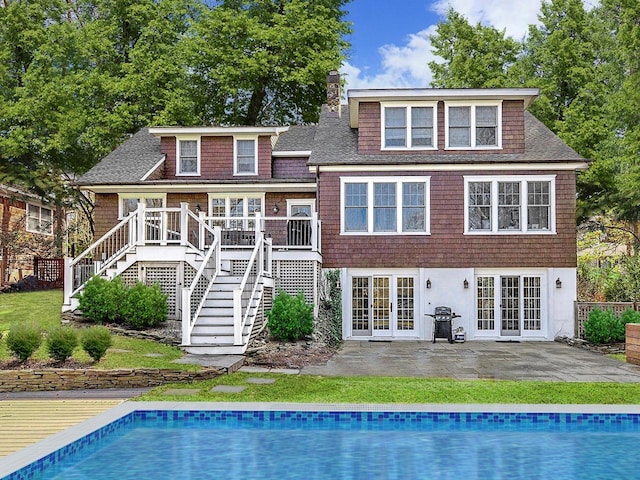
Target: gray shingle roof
pixel 128 163
pixel 297 138
pixel 337 144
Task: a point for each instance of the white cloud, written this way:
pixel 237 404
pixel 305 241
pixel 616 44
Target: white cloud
pixel 406 65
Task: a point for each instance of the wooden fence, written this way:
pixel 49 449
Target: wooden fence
pixel 49 272
pixel 583 309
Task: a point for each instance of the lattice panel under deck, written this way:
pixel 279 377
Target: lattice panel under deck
pixel 167 278
pixel 295 275
pixel 130 275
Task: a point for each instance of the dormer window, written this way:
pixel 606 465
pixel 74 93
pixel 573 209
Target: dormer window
pixel 246 156
pixel 408 126
pixel 473 126
pixel 188 157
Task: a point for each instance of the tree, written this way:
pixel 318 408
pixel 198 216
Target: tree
pixel 265 61
pixel 474 56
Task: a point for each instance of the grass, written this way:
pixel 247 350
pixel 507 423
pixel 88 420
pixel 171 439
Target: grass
pixel 315 389
pixel 43 309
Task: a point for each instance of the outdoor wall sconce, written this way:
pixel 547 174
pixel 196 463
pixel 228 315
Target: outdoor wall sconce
pixel 465 283
pixel 428 283
pixel 558 283
pixel 198 208
pixel 275 208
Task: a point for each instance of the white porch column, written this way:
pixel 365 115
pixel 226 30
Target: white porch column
pixel 184 223
pixel 141 224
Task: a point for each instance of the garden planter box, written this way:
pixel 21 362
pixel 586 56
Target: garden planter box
pixel 632 343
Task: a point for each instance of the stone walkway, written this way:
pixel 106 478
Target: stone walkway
pixel 542 361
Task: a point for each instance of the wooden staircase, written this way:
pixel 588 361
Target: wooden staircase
pixel 213 331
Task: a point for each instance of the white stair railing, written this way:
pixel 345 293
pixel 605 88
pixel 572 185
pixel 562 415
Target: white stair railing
pixel 259 265
pixel 194 296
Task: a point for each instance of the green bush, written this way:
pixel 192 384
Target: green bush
pixel 144 306
pixel 605 327
pixel 101 299
pixel 290 318
pixel 23 339
pixel 96 341
pixel 61 342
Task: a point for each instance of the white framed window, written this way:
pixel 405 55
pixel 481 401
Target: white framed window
pixel 128 202
pixel 300 207
pixel 509 204
pixel 235 205
pixel 245 156
pixel 473 126
pixel 385 205
pixel 188 157
pixel 39 219
pixel 409 126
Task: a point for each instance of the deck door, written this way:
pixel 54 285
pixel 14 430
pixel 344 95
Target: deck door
pixel 383 306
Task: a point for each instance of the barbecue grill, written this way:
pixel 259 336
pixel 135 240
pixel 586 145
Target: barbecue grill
pixel 442 323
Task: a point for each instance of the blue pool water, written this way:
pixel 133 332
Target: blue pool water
pixel 245 445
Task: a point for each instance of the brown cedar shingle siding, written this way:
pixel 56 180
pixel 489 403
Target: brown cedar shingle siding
pixel 447 246
pixel 291 168
pixel 105 215
pixel 216 158
pixel 370 142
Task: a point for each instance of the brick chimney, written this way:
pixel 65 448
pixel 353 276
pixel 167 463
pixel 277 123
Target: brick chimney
pixel 333 94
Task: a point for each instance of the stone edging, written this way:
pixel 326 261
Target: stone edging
pixel 52 379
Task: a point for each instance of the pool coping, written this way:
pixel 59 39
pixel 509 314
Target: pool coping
pixel 32 453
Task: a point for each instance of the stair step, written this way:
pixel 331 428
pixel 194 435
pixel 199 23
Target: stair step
pixel 215 349
pixel 212 331
pixel 213 321
pixel 213 310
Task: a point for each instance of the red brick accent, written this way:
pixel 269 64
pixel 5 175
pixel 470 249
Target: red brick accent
pixel 447 246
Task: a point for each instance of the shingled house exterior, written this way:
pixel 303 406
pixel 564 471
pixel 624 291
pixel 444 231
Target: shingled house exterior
pixel 420 197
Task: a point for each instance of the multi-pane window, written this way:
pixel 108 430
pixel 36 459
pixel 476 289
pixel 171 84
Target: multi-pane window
pixel 508 205
pixel 246 157
pixel 39 219
pixel 188 158
pixel 486 303
pixel 538 205
pixel 518 204
pixel 385 207
pixel 408 127
pixel 241 207
pixel 129 204
pixel 472 126
pixel 532 303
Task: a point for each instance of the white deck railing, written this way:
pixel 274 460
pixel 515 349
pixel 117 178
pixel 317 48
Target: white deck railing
pixel 259 266
pixel 194 296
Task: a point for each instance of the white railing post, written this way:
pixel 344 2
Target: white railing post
pixel 237 316
pixel 186 316
pixel 269 252
pixel 217 233
pixel 260 240
pixel 141 224
pixel 68 280
pixel 314 232
pixel 201 239
pixel 184 223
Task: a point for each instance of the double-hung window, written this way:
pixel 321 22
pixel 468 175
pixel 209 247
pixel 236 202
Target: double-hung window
pixel 473 126
pixel 240 206
pixel 509 204
pixel 39 219
pixel 129 202
pixel 408 126
pixel 384 206
pixel 245 156
pixel 188 156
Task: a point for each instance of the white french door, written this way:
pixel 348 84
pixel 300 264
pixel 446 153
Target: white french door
pixel 509 305
pixel 383 305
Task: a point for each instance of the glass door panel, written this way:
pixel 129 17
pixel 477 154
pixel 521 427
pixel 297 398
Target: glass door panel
pixel 510 305
pixel 405 305
pixel 532 304
pixel 381 308
pixel 360 293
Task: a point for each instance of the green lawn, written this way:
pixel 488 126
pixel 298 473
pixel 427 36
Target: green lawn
pixel 43 308
pixel 308 388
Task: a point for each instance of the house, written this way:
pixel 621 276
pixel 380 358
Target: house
pixel 29 227
pixel 420 197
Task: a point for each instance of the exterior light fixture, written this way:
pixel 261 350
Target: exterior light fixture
pixel 428 283
pixel 275 209
pixel 466 283
pixel 558 283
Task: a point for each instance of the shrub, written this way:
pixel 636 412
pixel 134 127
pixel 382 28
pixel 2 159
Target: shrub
pixel 603 327
pixel 23 339
pixel 290 318
pixel 101 299
pixel 61 342
pixel 144 306
pixel 95 341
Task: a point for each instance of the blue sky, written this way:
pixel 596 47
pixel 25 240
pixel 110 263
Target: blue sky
pixel 390 44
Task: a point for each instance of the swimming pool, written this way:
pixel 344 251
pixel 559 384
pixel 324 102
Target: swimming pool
pixel 245 441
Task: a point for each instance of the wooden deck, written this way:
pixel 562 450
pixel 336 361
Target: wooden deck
pixel 24 422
